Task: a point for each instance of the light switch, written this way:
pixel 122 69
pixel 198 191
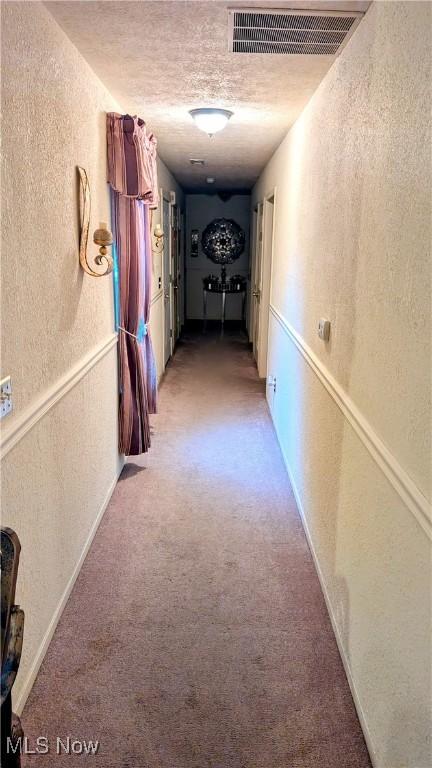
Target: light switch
pixel 324 329
pixel 5 397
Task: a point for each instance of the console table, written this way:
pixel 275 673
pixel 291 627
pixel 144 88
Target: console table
pixel 231 287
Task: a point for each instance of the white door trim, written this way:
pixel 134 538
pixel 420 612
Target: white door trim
pixel 269 210
pixel 252 271
pixel 165 197
pixel 256 283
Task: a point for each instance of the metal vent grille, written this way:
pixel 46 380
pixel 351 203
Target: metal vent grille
pixel 290 32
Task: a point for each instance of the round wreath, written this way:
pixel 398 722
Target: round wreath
pixel 223 241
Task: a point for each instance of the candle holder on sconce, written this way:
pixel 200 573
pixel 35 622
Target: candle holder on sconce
pixel 158 238
pixel 101 237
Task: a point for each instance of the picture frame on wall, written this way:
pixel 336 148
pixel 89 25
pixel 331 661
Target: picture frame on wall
pixel 194 242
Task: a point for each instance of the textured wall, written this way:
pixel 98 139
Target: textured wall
pixel 56 479
pixel 200 211
pixel 352 243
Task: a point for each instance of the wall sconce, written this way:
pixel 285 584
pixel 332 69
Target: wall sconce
pixel 102 236
pixel 158 236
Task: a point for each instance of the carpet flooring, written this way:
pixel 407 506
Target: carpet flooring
pixel 196 635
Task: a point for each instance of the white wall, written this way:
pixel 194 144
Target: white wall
pixel 58 341
pixel 200 211
pixel 352 244
pixel 59 445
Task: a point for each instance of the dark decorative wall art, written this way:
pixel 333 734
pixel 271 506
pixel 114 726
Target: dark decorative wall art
pixel 223 241
pixel 194 242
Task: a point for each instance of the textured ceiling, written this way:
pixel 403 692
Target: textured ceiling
pixel 161 58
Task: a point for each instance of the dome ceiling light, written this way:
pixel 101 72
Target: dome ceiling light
pixel 210 120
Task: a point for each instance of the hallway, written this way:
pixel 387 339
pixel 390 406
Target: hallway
pixel 197 635
pixel 241 580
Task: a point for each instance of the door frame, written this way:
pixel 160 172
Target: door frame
pixel 182 240
pixel 165 198
pixel 252 273
pixel 257 256
pixel 175 240
pixel 268 236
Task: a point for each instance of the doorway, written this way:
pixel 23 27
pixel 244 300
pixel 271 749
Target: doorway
pixel 261 280
pixel 175 271
pixel 256 277
pixel 166 276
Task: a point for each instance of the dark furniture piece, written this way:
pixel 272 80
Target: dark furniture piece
pixel 12 628
pixel 211 284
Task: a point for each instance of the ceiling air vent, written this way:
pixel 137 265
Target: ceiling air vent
pixel 290 32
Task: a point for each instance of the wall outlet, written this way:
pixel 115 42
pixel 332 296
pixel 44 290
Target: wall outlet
pixel 271 381
pixel 324 329
pixel 5 397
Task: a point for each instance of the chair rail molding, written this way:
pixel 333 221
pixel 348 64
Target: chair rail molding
pixel 26 420
pixel 408 491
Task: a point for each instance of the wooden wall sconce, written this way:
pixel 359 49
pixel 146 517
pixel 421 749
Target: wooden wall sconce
pixel 102 236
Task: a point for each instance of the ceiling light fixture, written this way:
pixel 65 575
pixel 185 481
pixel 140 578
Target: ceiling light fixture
pixel 210 120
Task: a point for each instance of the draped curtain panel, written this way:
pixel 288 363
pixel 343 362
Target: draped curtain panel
pixel 133 180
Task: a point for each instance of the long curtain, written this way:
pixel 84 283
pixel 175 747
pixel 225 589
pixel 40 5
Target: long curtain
pixel 133 179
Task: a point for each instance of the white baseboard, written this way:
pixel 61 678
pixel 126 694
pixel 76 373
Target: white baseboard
pixel 341 648
pixel 19 703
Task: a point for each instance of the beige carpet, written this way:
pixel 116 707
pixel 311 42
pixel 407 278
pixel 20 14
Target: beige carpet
pixel 197 635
